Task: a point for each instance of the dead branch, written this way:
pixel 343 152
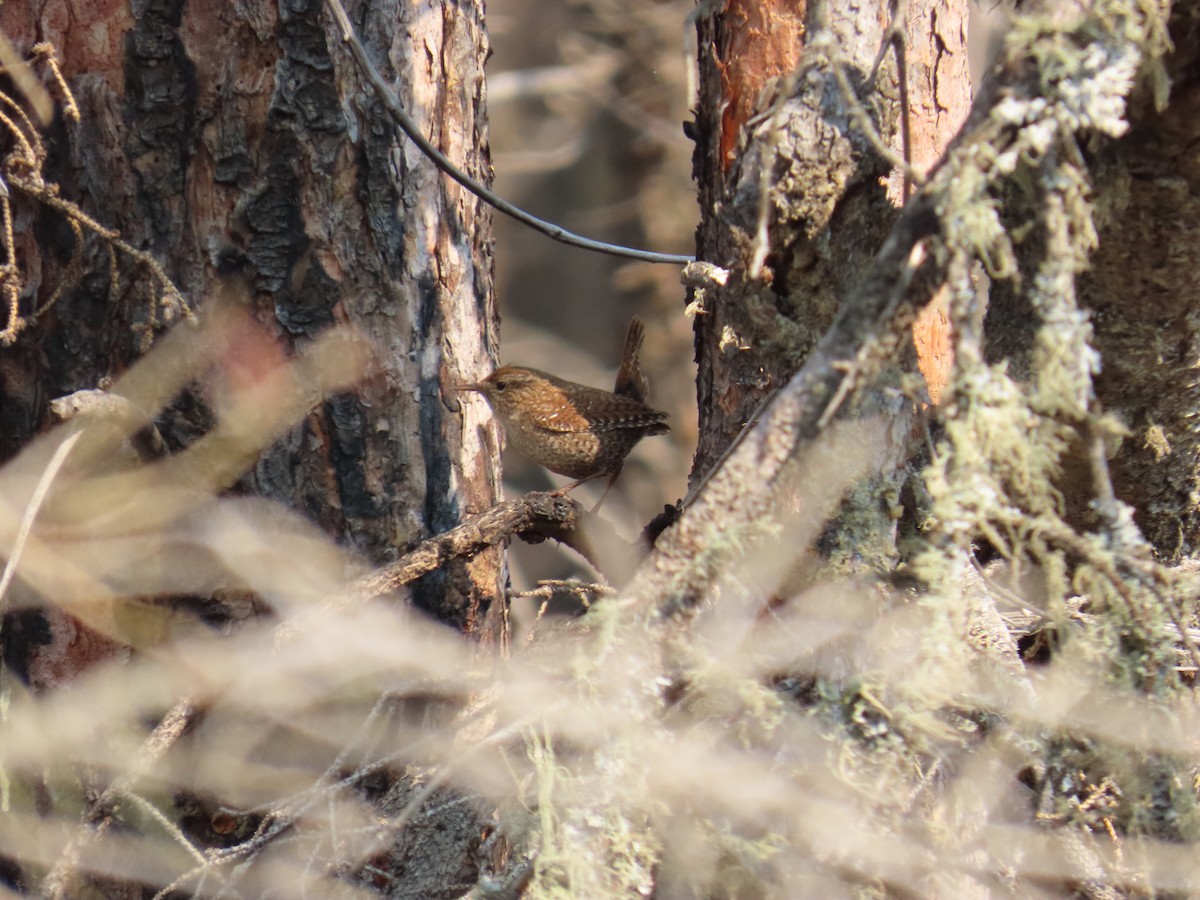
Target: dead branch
pixel 533 517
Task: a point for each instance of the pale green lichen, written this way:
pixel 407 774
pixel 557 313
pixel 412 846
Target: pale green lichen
pixel 905 706
pixel 1006 441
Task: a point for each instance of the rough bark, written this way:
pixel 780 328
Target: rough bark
pixel 237 146
pixel 1144 294
pixel 792 197
pixel 796 200
pixel 939 97
pixel 1140 293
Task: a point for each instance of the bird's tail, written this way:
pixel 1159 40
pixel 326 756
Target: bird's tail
pixel 631 382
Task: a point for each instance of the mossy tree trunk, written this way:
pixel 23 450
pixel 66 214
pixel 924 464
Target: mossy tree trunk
pixel 1057 230
pixel 797 196
pixel 1142 288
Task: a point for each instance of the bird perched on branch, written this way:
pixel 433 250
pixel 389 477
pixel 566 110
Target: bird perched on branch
pixel 572 429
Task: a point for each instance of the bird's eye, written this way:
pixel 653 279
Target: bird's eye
pixel 501 385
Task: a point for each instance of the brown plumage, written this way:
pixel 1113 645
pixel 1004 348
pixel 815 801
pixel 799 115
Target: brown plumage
pixel 572 429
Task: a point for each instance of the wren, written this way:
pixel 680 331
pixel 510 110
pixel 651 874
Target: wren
pixel 572 429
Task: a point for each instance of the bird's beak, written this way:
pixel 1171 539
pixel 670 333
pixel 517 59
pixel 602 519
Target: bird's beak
pixel 477 387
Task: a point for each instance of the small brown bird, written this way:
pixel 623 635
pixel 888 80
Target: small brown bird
pixel 572 429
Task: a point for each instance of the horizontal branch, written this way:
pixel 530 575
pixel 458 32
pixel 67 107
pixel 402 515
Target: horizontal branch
pixel 534 517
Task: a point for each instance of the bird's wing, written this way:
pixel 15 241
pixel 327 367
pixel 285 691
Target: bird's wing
pixel 556 412
pixel 589 409
pixel 609 412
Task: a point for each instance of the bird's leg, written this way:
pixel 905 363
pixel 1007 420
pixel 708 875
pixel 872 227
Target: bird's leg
pixel 566 489
pixel 612 479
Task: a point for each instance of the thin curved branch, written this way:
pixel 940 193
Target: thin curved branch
pixel 406 124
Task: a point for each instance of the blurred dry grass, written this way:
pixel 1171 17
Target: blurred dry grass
pixel 841 738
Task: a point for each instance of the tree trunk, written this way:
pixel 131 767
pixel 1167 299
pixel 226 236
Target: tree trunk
pixel 240 147
pixel 1143 291
pixel 797 197
pixel 1023 553
pixel 798 242
pixel 240 150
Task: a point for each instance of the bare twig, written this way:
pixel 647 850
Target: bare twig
pixel 98 817
pixel 536 516
pixel 46 51
pixel 112 408
pixel 897 40
pixel 550 587
pixel 174 303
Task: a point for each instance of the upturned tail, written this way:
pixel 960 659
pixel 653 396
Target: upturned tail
pixel 631 382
